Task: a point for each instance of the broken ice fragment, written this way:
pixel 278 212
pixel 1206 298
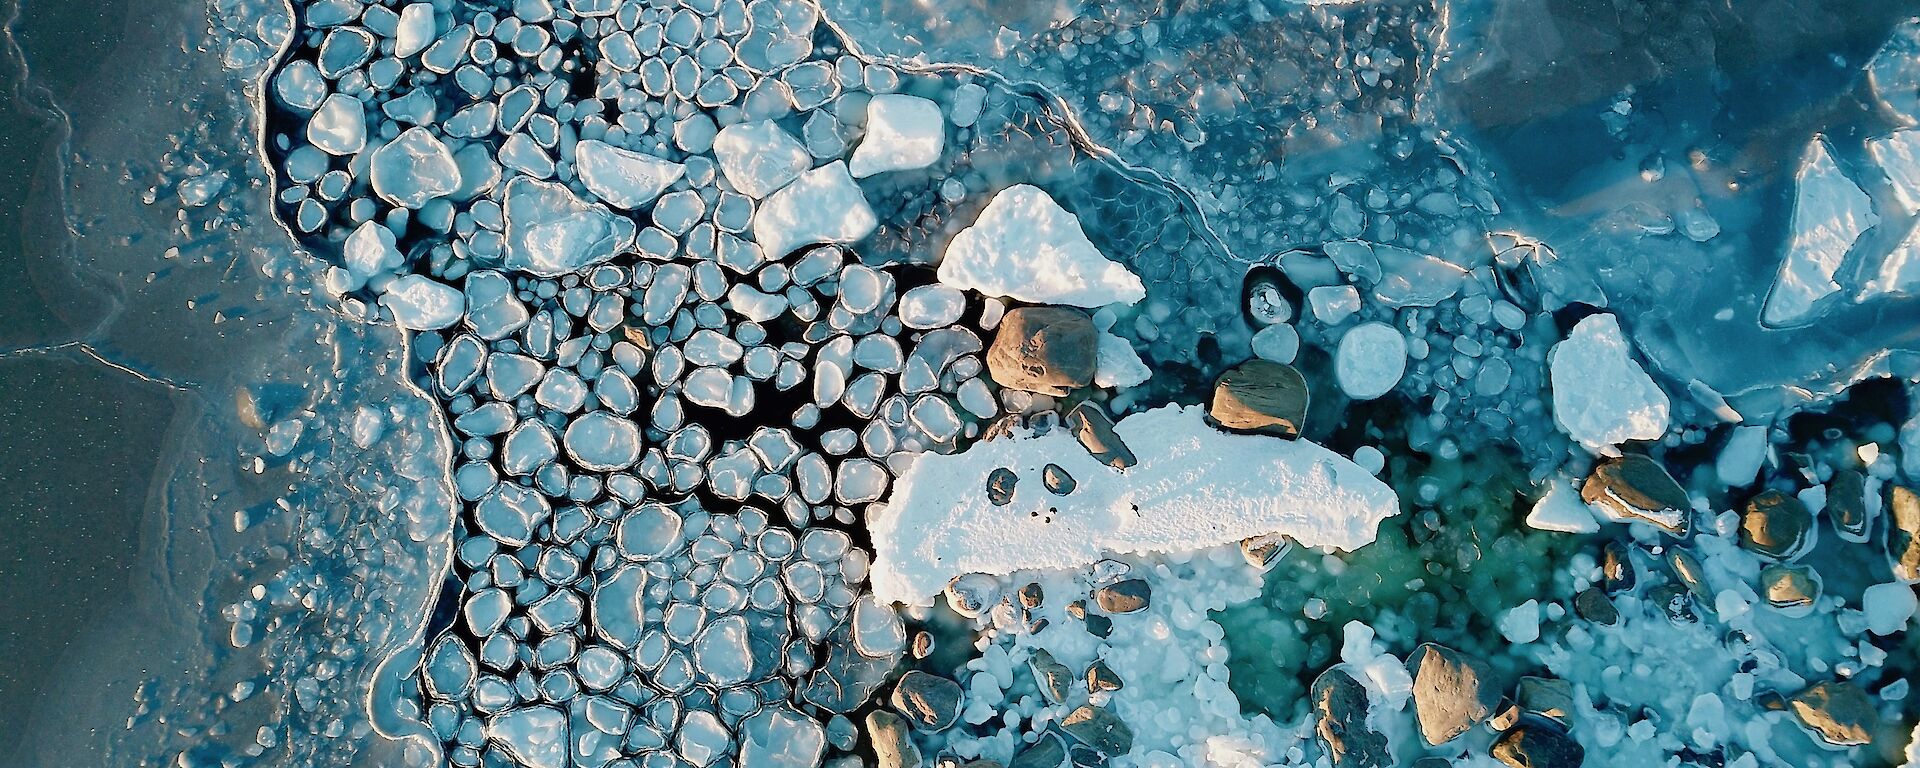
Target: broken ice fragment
pixel 414 168
pixel 904 133
pixel 535 737
pixel 1025 246
pixel 939 523
pixel 1601 395
pixel 1562 510
pixel 420 303
pixel 551 232
pixel 623 178
pixel 1829 213
pixel 759 158
pixel 824 205
pixel 339 126
pixel 1898 154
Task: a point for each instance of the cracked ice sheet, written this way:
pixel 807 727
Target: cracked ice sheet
pixel 1829 214
pixel 1194 487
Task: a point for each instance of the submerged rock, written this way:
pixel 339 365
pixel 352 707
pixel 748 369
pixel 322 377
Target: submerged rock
pixel 1048 350
pixel 1098 728
pixel 1537 743
pixel 1048 752
pixel 928 701
pixel 1840 713
pixel 1791 588
pixel 1903 533
pixel 1776 526
pixel 1261 396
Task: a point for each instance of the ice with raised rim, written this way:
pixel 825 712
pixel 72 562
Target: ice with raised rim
pixel 413 169
pixel 1194 487
pixel 535 737
pixel 552 232
pixel 339 126
pixel 823 205
pixel 1829 214
pixel 624 178
pixel 1025 246
pixel 420 303
pixel 1601 395
pixel 759 158
pixel 904 133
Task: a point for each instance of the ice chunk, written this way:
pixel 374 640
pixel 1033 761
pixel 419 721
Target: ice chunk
pixel 1115 364
pixel 1894 71
pixel 931 306
pixel 414 168
pixel 1182 495
pixel 904 133
pixel 1601 395
pixel 420 303
pixel 603 442
pixel 824 205
pixel 551 232
pixel 759 158
pixel 1899 157
pixel 1888 607
pixel 535 737
pixel 623 178
pixel 370 251
pixel 339 126
pixel 1025 246
pixel 1829 213
pixel 1739 462
pixel 1562 510
pixel 721 652
pixel 1521 624
pixel 415 31
pixel 1370 360
pixel 779 737
pixel 780 33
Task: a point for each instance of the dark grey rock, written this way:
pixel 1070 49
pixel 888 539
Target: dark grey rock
pixel 1048 752
pixel 1101 677
pixel 1099 729
pixel 1058 482
pixel 928 701
pixel 1638 487
pixel 1592 604
pixel 1340 704
pixel 1053 678
pixel 1616 567
pixel 1847 505
pixel 1000 485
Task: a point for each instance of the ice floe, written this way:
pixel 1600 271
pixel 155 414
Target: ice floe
pixel 1025 246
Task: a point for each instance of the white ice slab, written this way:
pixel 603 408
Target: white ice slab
pixel 1194 487
pixel 1829 213
pixel 1601 395
pixel 824 205
pixel 1025 246
pixel 622 177
pixel 904 133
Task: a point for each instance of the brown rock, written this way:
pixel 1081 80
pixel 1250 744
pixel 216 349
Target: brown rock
pixel 1048 350
pixel 1098 728
pixel 1847 505
pixel 1790 588
pixel 1538 744
pixel 1053 678
pixel 891 745
pixel 1094 430
pixel 1776 526
pixel 1547 697
pixel 1452 692
pixel 1840 713
pixel 1101 677
pixel 1261 396
pixel 1636 486
pixel 1124 596
pixel 1903 532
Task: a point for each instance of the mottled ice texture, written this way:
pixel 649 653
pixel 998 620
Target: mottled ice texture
pixel 759 158
pixel 823 205
pixel 1601 395
pixel 1829 213
pixel 904 133
pixel 414 168
pixel 1194 487
pixel 423 304
pixel 624 178
pixel 1025 246
pixel 551 232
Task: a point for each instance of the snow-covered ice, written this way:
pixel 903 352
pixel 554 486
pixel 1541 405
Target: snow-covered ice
pixel 904 133
pixel 759 158
pixel 823 205
pixel 1601 395
pixel 1025 246
pixel 939 524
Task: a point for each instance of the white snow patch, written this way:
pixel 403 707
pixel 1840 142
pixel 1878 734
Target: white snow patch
pixel 1194 487
pixel 1115 364
pixel 1601 396
pixel 1829 213
pixel 904 133
pixel 1025 246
